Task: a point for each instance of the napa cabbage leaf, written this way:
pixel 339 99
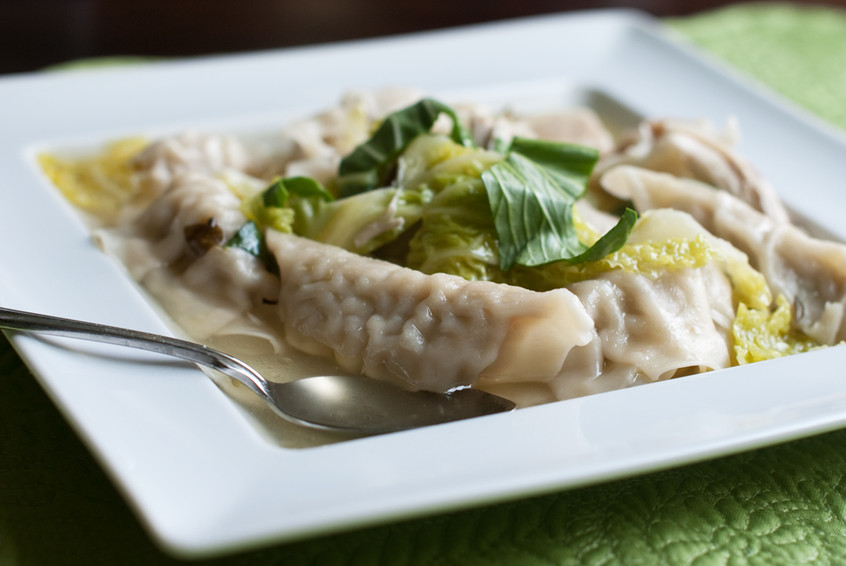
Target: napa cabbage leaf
pixel 457 234
pixel 363 222
pixel 530 192
pixel 270 208
pixel 763 334
pixel 650 259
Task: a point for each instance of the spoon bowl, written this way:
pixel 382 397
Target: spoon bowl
pixel 350 404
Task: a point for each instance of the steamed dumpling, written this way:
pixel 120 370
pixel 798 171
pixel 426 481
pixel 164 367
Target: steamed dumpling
pixel 651 328
pixel 166 160
pixel 431 331
pixel 579 126
pixel 439 331
pixel 693 150
pixel 810 273
pixel 175 249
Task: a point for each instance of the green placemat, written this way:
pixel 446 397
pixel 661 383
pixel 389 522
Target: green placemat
pixel 798 51
pixel 780 505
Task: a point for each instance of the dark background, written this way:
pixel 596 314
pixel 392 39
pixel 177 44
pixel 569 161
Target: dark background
pixel 38 33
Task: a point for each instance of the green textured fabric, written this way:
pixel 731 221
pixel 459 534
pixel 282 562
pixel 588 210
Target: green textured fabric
pixel 780 505
pixel 798 51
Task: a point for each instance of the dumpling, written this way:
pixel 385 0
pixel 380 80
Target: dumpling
pixel 693 150
pixel 650 328
pixel 175 249
pixel 166 160
pixel 431 331
pixel 440 331
pixel 579 126
pixel 224 287
pixel 809 272
pixel 196 212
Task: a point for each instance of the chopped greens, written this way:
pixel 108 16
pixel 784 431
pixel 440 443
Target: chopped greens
pixel 531 191
pixel 271 208
pixel 278 193
pixel 363 222
pixel 762 334
pixel 468 211
pixel 250 239
pixel 371 164
pixel 203 236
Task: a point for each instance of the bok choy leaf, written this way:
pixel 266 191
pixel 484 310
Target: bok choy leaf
pixel 280 190
pixel 249 238
pixel 272 207
pixel 532 192
pixel 371 164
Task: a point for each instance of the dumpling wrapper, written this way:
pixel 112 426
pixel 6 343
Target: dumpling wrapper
pixel 809 272
pixel 434 332
pixel 693 150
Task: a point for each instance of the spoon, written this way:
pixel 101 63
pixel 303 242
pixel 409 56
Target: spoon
pixel 344 403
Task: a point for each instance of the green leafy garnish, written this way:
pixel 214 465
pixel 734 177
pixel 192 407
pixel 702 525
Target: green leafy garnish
pixel 250 239
pixel 363 222
pixel 371 164
pixel 272 207
pixel 531 194
pixel 278 193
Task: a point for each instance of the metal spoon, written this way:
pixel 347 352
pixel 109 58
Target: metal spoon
pixel 351 404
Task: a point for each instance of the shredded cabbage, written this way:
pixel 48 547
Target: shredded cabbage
pixel 363 222
pixel 457 234
pixel 250 190
pixel 759 332
pixel 646 258
pixel 762 334
pixel 100 184
pixel 436 161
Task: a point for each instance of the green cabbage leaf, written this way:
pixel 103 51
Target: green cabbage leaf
pixel 270 208
pixel 530 192
pixel 363 222
pixel 457 234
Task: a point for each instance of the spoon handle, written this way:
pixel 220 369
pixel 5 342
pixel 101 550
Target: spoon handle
pixel 56 326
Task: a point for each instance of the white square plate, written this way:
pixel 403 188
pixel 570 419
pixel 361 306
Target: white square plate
pixel 198 473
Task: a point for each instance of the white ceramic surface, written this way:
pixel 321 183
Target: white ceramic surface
pixel 198 473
